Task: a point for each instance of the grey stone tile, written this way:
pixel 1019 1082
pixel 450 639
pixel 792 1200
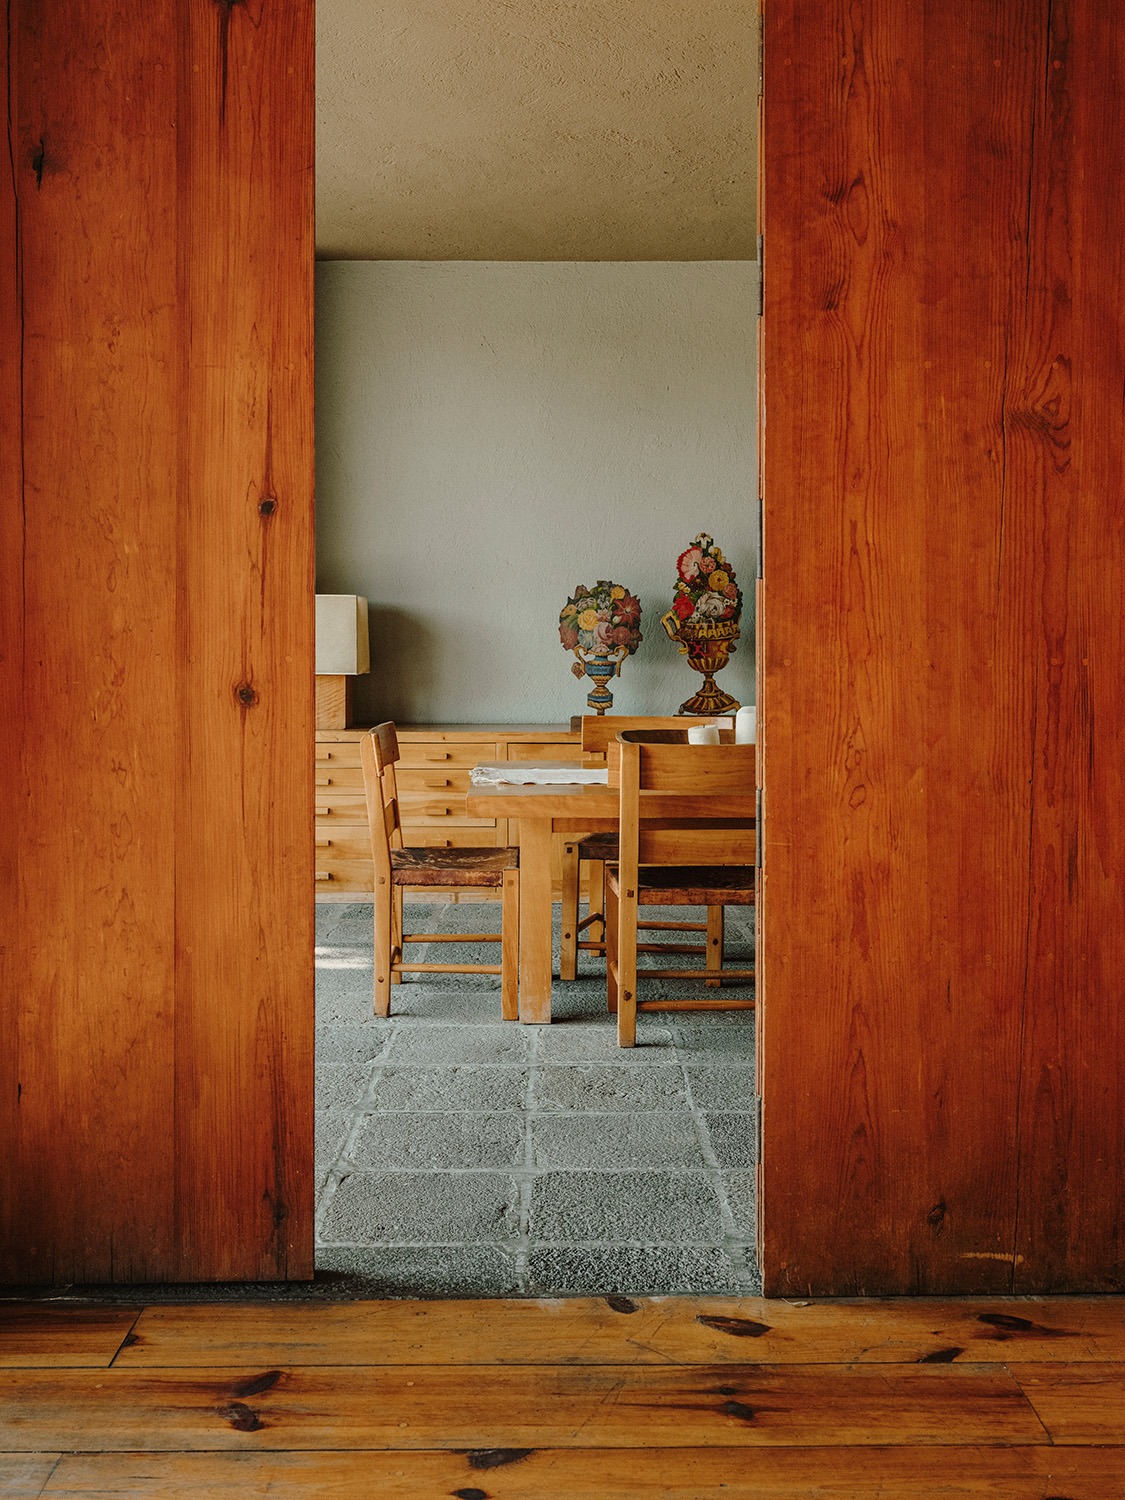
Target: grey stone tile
pixel 418 1003
pixel 331 1133
pixel 730 1088
pixel 724 1038
pixel 506 1042
pixel 484 1088
pixel 350 1042
pixel 586 1087
pixel 422 1270
pixel 344 995
pixel 734 1139
pixel 616 1141
pixel 650 1207
pixel 439 1141
pixel 427 1208
pixel 341 1088
pixel 596 1041
pixel 742 1198
pixel 622 1270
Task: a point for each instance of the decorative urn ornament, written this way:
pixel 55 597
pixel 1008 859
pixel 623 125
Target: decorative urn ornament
pixel 602 626
pixel 703 620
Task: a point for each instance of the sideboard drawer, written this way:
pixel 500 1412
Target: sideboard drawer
pixel 526 750
pixel 342 844
pixel 433 781
pixel 340 807
pixel 340 778
pixel 456 836
pixel 343 875
pixel 466 753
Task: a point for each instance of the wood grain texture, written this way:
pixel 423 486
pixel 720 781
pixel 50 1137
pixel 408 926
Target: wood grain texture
pixel 156 549
pixel 94 897
pixel 36 1336
pixel 11 631
pixel 244 973
pixel 333 1407
pixel 595 1474
pixel 1085 1405
pixel 942 863
pixel 665 1330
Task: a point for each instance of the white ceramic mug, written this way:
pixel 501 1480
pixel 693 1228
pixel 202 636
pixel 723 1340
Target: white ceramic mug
pixel 703 734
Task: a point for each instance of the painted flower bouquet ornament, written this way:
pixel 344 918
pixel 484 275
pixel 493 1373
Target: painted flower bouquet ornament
pixel 704 621
pixel 602 626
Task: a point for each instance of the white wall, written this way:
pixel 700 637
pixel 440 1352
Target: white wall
pixel 490 434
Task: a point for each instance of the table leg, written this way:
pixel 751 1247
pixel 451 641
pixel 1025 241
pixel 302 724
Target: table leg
pixel 535 920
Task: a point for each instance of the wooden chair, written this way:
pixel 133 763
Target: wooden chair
pixel 397 867
pixel 687 839
pixel 595 849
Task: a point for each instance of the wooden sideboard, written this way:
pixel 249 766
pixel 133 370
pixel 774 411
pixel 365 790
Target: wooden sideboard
pixel 433 777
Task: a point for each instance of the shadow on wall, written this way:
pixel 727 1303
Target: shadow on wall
pixel 401 683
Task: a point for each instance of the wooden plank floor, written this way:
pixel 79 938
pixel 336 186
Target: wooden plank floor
pixel 677 1398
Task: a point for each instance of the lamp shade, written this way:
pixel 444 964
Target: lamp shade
pixel 342 643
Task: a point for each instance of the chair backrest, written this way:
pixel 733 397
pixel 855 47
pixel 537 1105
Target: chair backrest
pixel 683 804
pixel 600 731
pixel 378 752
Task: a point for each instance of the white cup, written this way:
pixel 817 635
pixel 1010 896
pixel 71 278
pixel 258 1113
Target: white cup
pixel 746 725
pixel 703 734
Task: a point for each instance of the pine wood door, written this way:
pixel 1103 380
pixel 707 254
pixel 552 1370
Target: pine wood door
pixel 944 449
pixel 156 662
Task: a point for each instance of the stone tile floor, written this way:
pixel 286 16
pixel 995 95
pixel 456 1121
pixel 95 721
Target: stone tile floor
pixel 462 1155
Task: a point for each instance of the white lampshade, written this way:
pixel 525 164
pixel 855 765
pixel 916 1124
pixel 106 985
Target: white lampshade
pixel 343 647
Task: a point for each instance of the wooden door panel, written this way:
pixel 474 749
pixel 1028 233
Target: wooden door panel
pixel 156 679
pixel 941 863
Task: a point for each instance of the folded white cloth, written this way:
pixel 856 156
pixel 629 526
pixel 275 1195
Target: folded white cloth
pixel 537 773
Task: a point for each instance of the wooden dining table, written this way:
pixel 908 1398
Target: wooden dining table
pixel 541 811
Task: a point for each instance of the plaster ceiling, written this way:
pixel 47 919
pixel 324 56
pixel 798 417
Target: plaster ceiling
pixel 536 129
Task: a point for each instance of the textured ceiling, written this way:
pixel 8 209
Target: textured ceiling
pixel 536 129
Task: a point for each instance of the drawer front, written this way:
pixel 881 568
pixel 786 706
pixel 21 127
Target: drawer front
pixel 566 751
pixel 342 844
pixel 433 781
pixel 333 806
pixel 337 753
pixel 339 778
pixel 344 874
pixel 434 836
pixel 447 753
pixel 423 807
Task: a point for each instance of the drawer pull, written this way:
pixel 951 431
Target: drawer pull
pixel 323 755
pixel 324 781
pixel 324 843
pixel 437 754
pixel 324 874
pixel 436 781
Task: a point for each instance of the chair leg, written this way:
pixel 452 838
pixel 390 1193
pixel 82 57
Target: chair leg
pixel 384 941
pixel 568 956
pixel 626 918
pixel 610 909
pixel 396 928
pixel 715 916
pixel 595 877
pixel 510 947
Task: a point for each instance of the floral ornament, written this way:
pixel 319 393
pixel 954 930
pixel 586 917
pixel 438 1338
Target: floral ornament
pixel 602 626
pixel 603 621
pixel 705 586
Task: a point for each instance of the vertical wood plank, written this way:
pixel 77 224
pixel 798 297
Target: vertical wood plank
pixel 156 589
pixel 1066 414
pixel 95 160
pixel 943 491
pixel 11 632
pixel 244 909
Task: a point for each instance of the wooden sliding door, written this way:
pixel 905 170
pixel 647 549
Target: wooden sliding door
pixel 944 699
pixel 156 589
